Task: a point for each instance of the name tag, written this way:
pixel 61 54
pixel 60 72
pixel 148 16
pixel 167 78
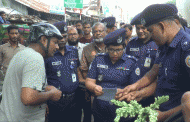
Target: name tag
pixel 56 63
pixel 160 65
pixel 74 78
pixel 147 62
pixel 134 49
pixel 102 66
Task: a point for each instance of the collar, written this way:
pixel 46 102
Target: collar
pixel 9 45
pixel 177 38
pixel 67 49
pixel 122 58
pixel 141 42
pixel 187 30
pixel 80 45
pixel 94 44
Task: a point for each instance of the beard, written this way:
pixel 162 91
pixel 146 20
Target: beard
pixel 73 43
pixel 61 45
pixel 100 40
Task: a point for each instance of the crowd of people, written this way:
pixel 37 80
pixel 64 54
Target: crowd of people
pixel 62 74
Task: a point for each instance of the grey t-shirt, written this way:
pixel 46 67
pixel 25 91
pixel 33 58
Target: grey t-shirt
pixel 26 69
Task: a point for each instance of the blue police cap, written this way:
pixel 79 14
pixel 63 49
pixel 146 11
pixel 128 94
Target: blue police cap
pixel 136 20
pixel 116 37
pixel 61 26
pixel 157 12
pixel 109 21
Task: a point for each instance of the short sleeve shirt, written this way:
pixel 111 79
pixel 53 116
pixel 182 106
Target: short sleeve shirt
pixel 174 70
pixel 144 52
pixel 118 75
pixel 26 69
pixel 61 69
pixel 84 40
pixel 88 55
pixel 6 54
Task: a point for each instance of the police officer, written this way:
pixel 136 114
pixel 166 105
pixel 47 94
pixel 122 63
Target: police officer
pixel 144 49
pixel 110 23
pixel 173 60
pixel 114 69
pixel 142 46
pixel 62 72
pixel 62 27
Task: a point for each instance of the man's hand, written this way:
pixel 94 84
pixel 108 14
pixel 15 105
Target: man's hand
pixel 98 90
pixel 56 93
pixel 119 93
pixel 130 88
pixel 135 95
pixel 124 93
pixel 160 116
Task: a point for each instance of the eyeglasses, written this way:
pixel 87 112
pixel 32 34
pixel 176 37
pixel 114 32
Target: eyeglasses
pixel 72 34
pixel 100 31
pixel 14 33
pixel 117 50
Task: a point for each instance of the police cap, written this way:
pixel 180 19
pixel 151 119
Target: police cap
pixel 109 21
pixel 115 38
pixel 136 20
pixel 156 13
pixel 61 26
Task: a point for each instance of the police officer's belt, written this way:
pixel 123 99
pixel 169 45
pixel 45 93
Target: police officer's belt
pixel 67 95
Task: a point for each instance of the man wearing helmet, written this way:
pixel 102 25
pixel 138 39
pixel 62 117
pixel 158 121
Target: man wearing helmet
pixel 25 89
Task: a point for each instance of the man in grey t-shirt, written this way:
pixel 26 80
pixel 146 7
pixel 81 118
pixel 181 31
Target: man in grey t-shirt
pixel 25 91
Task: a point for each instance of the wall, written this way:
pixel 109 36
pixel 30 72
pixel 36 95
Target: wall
pixel 184 9
pixel 15 5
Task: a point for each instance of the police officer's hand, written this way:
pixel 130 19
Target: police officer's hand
pixel 130 88
pixel 160 116
pixel 56 93
pixel 135 95
pixel 119 93
pixel 98 90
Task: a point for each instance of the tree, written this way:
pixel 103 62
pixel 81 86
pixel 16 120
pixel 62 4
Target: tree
pixel 171 2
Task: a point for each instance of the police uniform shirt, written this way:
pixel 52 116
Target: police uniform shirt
pixel 122 73
pixel 145 53
pixel 187 30
pixel 108 75
pixel 174 70
pixel 62 70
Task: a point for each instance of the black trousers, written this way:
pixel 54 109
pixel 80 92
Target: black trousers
pixel 84 99
pixel 65 110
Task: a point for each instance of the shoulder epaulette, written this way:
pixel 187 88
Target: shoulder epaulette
pixel 99 54
pixel 134 38
pixel 71 47
pixel 185 43
pixel 132 57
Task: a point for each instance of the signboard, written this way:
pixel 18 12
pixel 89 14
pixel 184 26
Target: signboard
pixel 73 3
pixel 57 9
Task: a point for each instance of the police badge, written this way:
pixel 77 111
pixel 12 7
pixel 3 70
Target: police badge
pixel 137 71
pixel 143 22
pixel 119 40
pixel 187 61
pixel 100 77
pixel 65 28
pixel 59 73
pixel 72 65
